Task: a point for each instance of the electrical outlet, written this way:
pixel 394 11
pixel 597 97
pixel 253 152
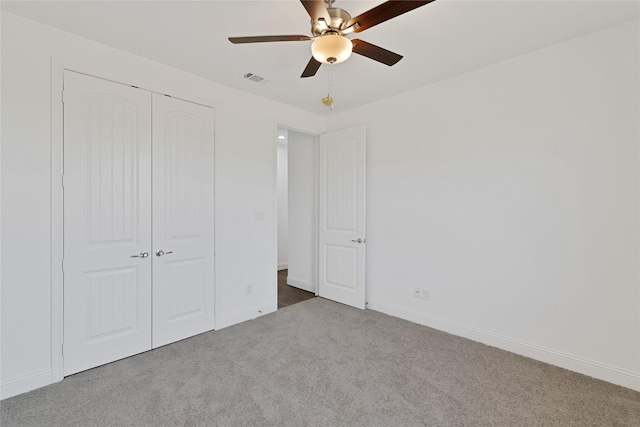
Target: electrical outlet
pixel 417 292
pixel 426 294
pixel 248 289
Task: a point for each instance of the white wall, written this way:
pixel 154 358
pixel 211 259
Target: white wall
pixel 283 202
pixel 512 194
pixel 245 185
pixel 302 211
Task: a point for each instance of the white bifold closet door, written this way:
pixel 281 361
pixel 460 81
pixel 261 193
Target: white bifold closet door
pixel 183 227
pixel 138 221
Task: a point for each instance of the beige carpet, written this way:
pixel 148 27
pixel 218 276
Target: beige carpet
pixel 319 363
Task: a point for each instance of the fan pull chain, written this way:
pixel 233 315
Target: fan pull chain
pixel 328 100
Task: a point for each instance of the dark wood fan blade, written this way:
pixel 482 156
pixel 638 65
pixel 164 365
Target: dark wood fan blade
pixel 312 68
pixel 384 12
pixel 374 52
pixel 316 10
pixel 262 39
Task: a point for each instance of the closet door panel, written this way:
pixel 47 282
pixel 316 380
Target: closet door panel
pixel 107 221
pixel 183 219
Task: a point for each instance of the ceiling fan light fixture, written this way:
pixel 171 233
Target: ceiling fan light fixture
pixel 331 48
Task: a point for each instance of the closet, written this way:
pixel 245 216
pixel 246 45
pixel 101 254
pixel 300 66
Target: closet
pixel 138 220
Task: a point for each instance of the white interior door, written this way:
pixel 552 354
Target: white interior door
pixel 183 219
pixel 341 231
pixel 107 221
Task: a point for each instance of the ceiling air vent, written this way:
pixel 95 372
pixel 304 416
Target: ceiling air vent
pixel 254 78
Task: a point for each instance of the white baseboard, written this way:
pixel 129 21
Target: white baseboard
pixel 244 315
pixel 623 377
pixel 25 383
pixel 283 266
pixel 305 285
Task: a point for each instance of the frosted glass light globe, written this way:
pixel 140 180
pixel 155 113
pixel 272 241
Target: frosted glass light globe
pixel 331 48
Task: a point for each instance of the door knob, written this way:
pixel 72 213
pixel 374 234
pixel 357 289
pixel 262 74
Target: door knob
pixel 141 255
pixel 160 252
pixel 357 241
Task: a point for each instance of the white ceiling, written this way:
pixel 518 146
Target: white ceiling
pixel 438 41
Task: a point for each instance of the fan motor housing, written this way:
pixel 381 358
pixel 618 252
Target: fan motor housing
pixel 339 20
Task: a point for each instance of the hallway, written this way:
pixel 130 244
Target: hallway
pixel 289 295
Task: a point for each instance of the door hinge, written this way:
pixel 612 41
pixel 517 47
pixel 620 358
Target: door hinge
pixel 63 264
pixel 62 96
pixel 63 349
pixel 62 181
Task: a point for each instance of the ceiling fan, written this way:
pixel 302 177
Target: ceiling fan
pixel 330 25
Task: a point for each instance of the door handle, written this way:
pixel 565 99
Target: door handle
pixel 141 255
pixel 357 241
pixel 160 252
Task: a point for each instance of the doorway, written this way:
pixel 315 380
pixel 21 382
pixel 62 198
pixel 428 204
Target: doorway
pixel 321 199
pixel 297 212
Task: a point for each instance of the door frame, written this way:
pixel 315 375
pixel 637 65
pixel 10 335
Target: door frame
pixel 283 123
pixel 58 66
pixel 315 133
